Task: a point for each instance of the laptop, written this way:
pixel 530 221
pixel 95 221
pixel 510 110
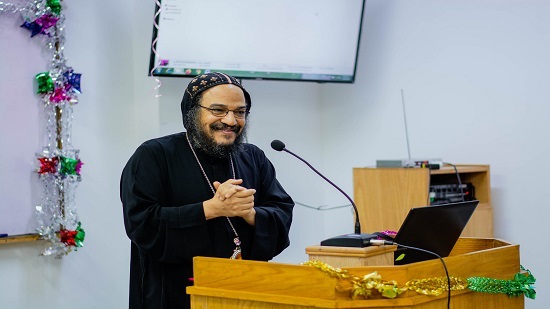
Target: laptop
pixel 433 228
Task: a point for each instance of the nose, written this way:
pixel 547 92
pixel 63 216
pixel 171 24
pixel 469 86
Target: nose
pixel 229 119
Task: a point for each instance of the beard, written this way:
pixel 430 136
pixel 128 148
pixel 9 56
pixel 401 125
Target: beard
pixel 200 139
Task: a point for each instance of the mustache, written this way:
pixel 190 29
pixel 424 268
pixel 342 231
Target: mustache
pixel 218 126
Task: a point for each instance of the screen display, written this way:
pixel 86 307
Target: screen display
pixel 309 40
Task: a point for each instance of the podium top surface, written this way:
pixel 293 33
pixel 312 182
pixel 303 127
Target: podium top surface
pixel 350 251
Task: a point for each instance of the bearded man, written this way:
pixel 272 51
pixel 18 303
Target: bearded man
pixel 200 193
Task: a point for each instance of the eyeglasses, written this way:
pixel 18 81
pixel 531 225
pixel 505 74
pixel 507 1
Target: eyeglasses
pixel 239 113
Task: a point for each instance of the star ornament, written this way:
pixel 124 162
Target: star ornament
pixel 80 235
pixel 46 21
pixel 73 81
pixel 54 5
pixel 45 82
pixel 67 237
pixel 48 165
pixel 59 95
pixel 33 27
pixel 70 166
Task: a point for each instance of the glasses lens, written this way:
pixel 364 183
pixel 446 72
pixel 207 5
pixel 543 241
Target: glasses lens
pixel 241 113
pixel 218 111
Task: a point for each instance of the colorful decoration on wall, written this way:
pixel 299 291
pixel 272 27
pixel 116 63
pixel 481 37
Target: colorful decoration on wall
pixel 58 163
pixel 372 285
pixel 154 44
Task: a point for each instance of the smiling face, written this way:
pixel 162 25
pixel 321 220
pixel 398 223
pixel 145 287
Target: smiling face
pixel 218 135
pixel 222 130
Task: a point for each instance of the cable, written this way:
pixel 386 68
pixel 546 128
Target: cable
pixel 459 181
pixel 444 266
pixel 405 120
pixel 428 202
pixel 379 242
pixel 321 207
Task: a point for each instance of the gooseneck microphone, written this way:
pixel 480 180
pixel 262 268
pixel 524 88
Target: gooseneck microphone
pixel 349 240
pixel 280 146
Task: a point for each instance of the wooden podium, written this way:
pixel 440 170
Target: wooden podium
pixel 225 284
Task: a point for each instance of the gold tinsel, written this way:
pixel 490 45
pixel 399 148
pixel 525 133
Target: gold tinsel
pixel 369 285
pixel 436 286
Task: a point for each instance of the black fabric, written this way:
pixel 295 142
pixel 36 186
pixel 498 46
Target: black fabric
pixel 162 189
pixel 206 81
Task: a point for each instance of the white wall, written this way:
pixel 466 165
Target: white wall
pixel 474 75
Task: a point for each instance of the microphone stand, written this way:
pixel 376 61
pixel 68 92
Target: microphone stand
pixel 357 239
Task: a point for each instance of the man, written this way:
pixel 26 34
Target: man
pixel 200 193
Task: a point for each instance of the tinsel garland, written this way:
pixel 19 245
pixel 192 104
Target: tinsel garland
pixel 372 284
pixel 58 164
pixel 523 283
pixel 436 286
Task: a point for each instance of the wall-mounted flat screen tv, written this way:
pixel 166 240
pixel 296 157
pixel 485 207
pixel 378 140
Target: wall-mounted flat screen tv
pixel 304 40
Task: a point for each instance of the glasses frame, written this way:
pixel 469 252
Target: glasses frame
pixel 211 110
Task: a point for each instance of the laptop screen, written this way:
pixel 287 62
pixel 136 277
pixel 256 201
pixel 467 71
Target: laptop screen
pixel 432 228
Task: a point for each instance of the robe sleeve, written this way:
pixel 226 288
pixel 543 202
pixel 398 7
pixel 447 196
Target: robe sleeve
pixel 165 234
pixel 273 213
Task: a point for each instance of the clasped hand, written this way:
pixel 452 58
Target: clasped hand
pixel 231 200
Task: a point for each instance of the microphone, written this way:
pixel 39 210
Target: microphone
pixel 349 240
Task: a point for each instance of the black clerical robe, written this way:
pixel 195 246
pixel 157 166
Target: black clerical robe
pixel 162 189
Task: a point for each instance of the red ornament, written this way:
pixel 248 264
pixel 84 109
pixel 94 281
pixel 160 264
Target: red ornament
pixel 67 237
pixel 48 165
